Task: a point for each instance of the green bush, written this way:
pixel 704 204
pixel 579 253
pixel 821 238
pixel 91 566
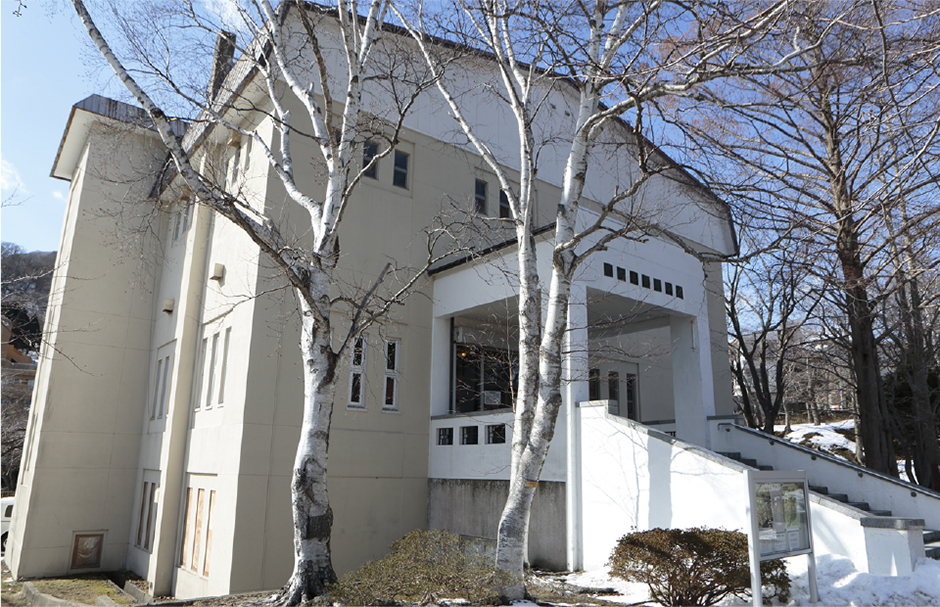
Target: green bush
pixel 694 566
pixel 423 567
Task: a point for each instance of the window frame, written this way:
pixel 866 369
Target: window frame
pixel 359 370
pixel 370 149
pixel 392 373
pixel 401 173
pixel 480 199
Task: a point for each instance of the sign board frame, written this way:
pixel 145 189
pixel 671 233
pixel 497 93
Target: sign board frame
pixel 782 510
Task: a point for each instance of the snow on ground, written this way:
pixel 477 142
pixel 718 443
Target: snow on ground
pixel 837 581
pixel 823 435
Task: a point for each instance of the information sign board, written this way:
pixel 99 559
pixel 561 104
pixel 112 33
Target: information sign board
pixel 779 523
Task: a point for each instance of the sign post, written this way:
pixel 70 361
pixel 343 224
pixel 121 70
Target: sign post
pixel 779 524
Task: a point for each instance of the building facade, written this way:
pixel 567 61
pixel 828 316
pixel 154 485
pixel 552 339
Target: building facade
pixel 167 404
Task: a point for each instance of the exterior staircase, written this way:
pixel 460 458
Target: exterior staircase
pixel 931 536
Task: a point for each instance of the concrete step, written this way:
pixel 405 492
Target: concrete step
pixel 819 489
pixel 765 468
pixel 880 512
pixel 931 536
pixel 841 497
pixel 861 506
pixel 748 462
pixel 735 455
pixel 932 552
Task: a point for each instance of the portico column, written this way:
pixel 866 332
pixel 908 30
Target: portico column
pixel 575 363
pixel 692 381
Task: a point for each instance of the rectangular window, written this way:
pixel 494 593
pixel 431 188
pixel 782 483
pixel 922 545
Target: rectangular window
pixel 203 353
pixel 400 173
pixel 505 211
pixel 657 285
pixel 370 150
pixel 222 372
pixel 621 275
pixel 445 436
pixel 210 384
pixel 630 395
pixel 469 435
pixel 484 378
pixel 151 512
pixel 141 524
pixel 496 434
pixel 634 278
pixel 613 392
pixel 391 373
pixel 679 293
pixel 156 389
pixel 608 270
pixel 479 197
pixel 164 383
pixel 205 562
pixel 188 511
pixel 197 531
pixel 594 384
pixel 356 370
pixel 646 281
pixel 668 288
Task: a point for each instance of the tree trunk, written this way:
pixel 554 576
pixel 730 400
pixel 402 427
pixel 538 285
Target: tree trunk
pixel 313 517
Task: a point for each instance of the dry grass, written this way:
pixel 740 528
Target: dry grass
pixel 84 589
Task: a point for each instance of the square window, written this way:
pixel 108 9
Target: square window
pixel 646 281
pixel 400 174
pixel 608 270
pixel 86 551
pixel 479 197
pixel 505 212
pixel 621 275
pixel 445 436
pixel 657 285
pixel 634 278
pixel 469 435
pixel 370 150
pixel 679 293
pixel 496 434
pixel 668 288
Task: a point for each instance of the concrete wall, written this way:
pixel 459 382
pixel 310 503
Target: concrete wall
pixel 473 507
pixel 859 483
pixel 91 386
pixel 637 479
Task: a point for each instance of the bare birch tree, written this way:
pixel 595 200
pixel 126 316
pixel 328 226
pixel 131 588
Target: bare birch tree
pixel 325 60
pixel 613 59
pixel 836 149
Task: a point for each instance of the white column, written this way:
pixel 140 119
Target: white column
pixel 575 391
pixel 440 365
pixel 692 381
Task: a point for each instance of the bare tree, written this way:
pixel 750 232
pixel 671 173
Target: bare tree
pixel 611 60
pixel 324 61
pixel 768 299
pixel 834 149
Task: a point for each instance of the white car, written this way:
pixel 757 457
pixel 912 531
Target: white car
pixel 6 509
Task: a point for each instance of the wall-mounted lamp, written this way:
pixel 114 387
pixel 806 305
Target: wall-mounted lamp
pixel 168 305
pixel 218 272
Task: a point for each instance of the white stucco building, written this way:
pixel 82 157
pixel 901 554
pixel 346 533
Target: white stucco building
pixel 167 404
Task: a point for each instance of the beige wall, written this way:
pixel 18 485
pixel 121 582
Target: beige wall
pixel 91 386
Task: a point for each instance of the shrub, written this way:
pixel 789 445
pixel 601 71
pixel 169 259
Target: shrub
pixel 423 567
pixel 693 566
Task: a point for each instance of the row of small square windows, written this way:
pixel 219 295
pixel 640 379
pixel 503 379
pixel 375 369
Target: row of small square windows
pixel 638 279
pixel 470 435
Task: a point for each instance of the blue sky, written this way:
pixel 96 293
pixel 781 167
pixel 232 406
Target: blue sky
pixel 42 73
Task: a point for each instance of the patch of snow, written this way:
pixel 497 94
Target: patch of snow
pixel 824 435
pixel 838 582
